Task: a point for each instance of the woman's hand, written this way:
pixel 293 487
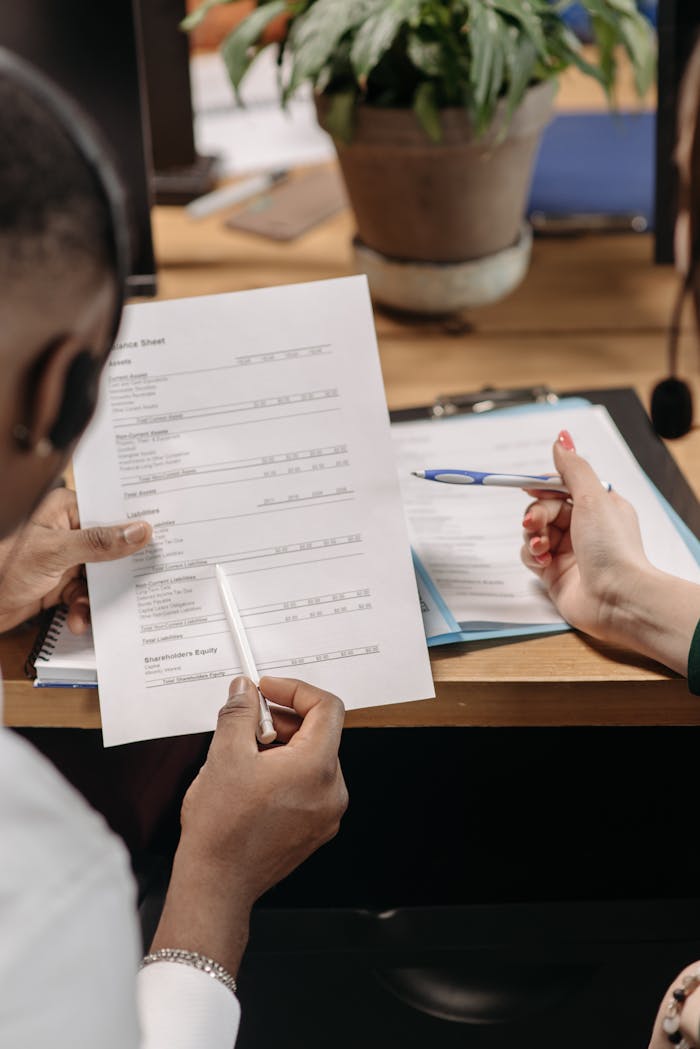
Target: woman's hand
pixel 43 563
pixel 587 550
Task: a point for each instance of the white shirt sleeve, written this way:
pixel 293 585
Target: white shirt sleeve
pixel 69 940
pixel 184 1008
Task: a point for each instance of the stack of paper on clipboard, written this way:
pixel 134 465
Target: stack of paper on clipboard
pixel 466 540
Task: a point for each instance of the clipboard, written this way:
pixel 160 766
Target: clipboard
pixel 624 406
pixel 630 418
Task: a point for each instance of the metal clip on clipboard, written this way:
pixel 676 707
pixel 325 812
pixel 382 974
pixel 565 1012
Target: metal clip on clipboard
pixel 489 398
pixel 478 402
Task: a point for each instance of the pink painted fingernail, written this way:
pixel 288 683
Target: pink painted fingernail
pixel 527 520
pixel 543 559
pixel 566 441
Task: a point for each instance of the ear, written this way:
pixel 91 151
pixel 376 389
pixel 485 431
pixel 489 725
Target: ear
pixel 60 392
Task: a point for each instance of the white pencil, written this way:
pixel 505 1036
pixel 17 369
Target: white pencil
pixel 266 730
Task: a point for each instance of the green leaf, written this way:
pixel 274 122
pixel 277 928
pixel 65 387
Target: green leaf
pixel 200 13
pixel 572 51
pixel 606 38
pixel 521 64
pixel 236 49
pixel 483 28
pixel 625 7
pixel 378 32
pixel 426 55
pixel 340 117
pixel 638 39
pixel 426 109
pixel 523 13
pixel 601 9
pixel 498 68
pixel 315 34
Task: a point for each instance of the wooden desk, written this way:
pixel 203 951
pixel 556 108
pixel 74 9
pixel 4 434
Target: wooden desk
pixel 591 313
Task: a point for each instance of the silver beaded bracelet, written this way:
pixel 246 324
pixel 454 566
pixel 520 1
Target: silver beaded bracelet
pixel 671 1022
pixel 197 961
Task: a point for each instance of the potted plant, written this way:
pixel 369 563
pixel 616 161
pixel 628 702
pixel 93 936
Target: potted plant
pixel 436 108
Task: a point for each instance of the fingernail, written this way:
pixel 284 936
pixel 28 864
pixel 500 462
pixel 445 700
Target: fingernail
pixel 239 685
pixel 527 520
pixel 135 533
pixel 566 441
pixel 543 559
pixel 536 540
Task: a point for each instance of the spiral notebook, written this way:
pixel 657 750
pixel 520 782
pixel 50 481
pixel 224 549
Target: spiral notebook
pixel 60 657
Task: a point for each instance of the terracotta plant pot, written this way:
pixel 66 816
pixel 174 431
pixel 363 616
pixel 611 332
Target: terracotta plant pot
pixel 448 202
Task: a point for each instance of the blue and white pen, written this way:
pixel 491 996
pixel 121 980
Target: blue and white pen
pixel 541 482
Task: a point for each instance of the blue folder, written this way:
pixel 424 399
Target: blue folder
pixel 596 164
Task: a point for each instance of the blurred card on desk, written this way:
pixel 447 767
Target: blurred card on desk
pixel 293 208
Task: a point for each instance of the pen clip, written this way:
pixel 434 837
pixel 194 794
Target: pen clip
pixel 489 399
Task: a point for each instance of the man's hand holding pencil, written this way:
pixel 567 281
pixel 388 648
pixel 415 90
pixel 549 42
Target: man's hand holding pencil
pixel 253 814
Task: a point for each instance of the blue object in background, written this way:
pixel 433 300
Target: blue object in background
pixel 596 164
pixel 577 17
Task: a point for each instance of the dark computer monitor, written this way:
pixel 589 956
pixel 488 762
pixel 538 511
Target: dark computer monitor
pixel 678 26
pixel 91 48
pixel 179 173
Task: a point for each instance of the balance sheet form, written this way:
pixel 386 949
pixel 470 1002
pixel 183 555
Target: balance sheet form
pixel 251 431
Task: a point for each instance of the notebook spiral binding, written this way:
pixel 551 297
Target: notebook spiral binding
pixel 50 626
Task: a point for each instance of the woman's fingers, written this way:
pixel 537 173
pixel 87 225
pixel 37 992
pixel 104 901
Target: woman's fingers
pixel 546 542
pixel 531 562
pixel 544 512
pixel 539 550
pixel 545 524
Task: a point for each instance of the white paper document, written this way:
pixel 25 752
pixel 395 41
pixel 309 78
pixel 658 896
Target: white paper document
pixel 468 538
pixel 259 135
pixel 251 430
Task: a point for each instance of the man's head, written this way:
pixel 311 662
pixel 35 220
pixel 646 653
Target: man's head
pixel 62 261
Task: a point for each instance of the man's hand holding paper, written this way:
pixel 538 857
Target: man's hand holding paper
pixel 251 430
pixel 43 563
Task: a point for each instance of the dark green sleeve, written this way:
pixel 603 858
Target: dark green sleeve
pixel 694 663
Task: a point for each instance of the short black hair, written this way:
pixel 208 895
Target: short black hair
pixel 55 221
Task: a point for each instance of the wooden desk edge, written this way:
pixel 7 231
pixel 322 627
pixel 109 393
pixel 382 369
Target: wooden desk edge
pixel 27 707
pixel 495 704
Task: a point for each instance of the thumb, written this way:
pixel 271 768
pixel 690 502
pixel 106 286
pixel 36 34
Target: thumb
pixel 239 716
pixel 578 475
pixel 103 542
